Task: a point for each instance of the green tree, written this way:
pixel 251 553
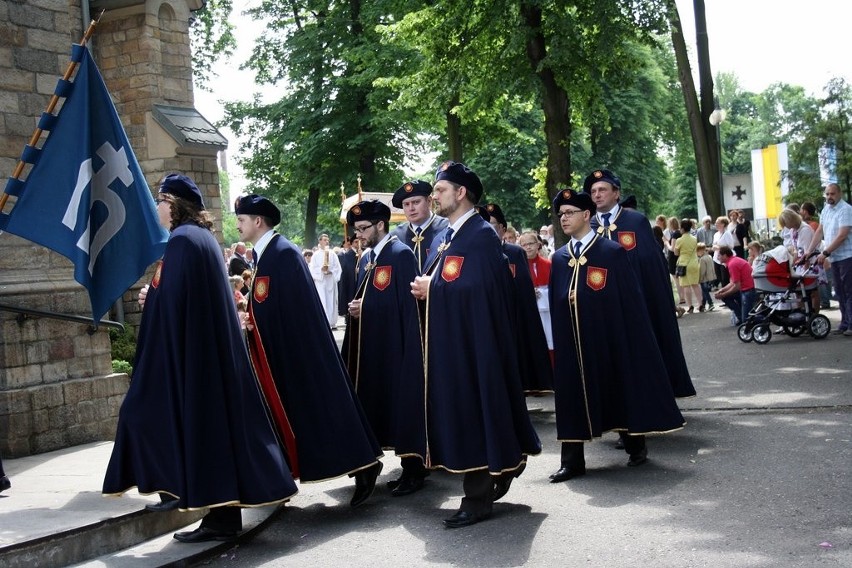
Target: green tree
pixel 211 38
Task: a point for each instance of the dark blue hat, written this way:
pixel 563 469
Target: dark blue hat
pixel 416 187
pixel 601 175
pixel 495 211
pixel 257 205
pixel 460 174
pixel 575 199
pixel 629 202
pixel 373 210
pixel 183 187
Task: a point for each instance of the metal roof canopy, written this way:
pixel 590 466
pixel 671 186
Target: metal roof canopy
pixel 188 127
pixel 397 215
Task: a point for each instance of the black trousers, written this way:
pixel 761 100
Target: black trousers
pixel 478 492
pixel 412 466
pixel 574 457
pixel 225 519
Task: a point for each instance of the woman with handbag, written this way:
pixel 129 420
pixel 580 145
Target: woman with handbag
pixel 686 269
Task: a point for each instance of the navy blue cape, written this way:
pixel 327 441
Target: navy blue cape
pixel 383 349
pixel 332 435
pixel 616 379
pixel 193 424
pixel 346 285
pixel 533 356
pixel 476 412
pixel 633 232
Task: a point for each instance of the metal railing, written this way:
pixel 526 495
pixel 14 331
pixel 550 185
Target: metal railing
pixel 26 313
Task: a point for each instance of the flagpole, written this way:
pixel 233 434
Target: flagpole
pixel 51 106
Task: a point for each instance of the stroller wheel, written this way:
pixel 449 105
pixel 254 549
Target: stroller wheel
pixel 795 330
pixel 819 327
pixel 762 334
pixel 744 332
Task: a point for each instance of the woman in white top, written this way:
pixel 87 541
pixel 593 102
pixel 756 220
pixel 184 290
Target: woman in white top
pixel 723 237
pixel 797 239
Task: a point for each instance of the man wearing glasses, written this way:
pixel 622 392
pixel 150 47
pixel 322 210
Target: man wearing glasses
pixel 609 374
pixel 382 345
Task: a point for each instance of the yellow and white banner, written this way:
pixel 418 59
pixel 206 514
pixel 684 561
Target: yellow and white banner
pixel 769 179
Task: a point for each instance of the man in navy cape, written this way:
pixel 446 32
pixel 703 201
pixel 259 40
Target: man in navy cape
pixel 302 375
pixel 422 224
pixel 609 373
pixel 533 356
pixel 383 347
pixel 477 421
pixel 632 230
pixel 346 287
pixel 192 425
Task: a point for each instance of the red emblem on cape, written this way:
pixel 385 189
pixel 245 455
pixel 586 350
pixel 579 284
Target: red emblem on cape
pixel 155 282
pixel 382 277
pixel 627 239
pixel 512 268
pixel 452 268
pixel 260 289
pixel 596 278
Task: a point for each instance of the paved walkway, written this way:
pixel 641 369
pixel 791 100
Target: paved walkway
pixel 760 477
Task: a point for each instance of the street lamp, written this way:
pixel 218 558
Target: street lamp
pixel 716 118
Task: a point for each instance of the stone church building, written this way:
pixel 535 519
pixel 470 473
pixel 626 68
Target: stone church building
pixel 57 388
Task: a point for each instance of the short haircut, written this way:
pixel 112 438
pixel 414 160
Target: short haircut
pixel 725 250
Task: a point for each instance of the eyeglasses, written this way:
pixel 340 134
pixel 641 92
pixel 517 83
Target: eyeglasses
pixel 363 228
pixel 569 213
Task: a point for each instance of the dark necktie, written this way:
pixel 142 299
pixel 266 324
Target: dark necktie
pixel 254 257
pixel 605 218
pixel 448 236
pixel 577 247
pixel 418 231
pixel 371 259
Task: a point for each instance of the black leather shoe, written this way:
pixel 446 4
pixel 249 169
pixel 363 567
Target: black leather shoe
pixel 638 458
pixel 163 506
pixel 407 486
pixel 365 483
pixel 203 534
pixel 464 519
pixel 566 473
pixel 5 483
pixel 619 444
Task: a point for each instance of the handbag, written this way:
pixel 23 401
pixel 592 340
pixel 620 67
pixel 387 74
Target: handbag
pixel 680 270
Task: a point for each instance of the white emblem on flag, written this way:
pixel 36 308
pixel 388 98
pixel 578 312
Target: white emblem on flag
pixel 116 166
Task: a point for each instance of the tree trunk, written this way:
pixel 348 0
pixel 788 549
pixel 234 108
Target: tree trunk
pixel 557 111
pixel 703 134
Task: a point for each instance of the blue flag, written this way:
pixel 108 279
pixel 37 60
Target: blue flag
pixel 85 196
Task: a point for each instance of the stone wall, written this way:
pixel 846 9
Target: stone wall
pixel 57 388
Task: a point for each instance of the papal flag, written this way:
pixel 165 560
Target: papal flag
pixel 769 178
pixel 85 196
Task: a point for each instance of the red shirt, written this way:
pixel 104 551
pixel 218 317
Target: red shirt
pixel 540 270
pixel 740 271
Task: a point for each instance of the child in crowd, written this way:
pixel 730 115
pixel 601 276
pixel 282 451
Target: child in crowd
pixel 706 277
pixel 755 249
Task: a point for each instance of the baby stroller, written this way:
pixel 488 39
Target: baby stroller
pixel 783 300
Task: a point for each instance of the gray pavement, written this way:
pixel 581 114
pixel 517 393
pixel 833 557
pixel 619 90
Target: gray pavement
pixel 759 477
